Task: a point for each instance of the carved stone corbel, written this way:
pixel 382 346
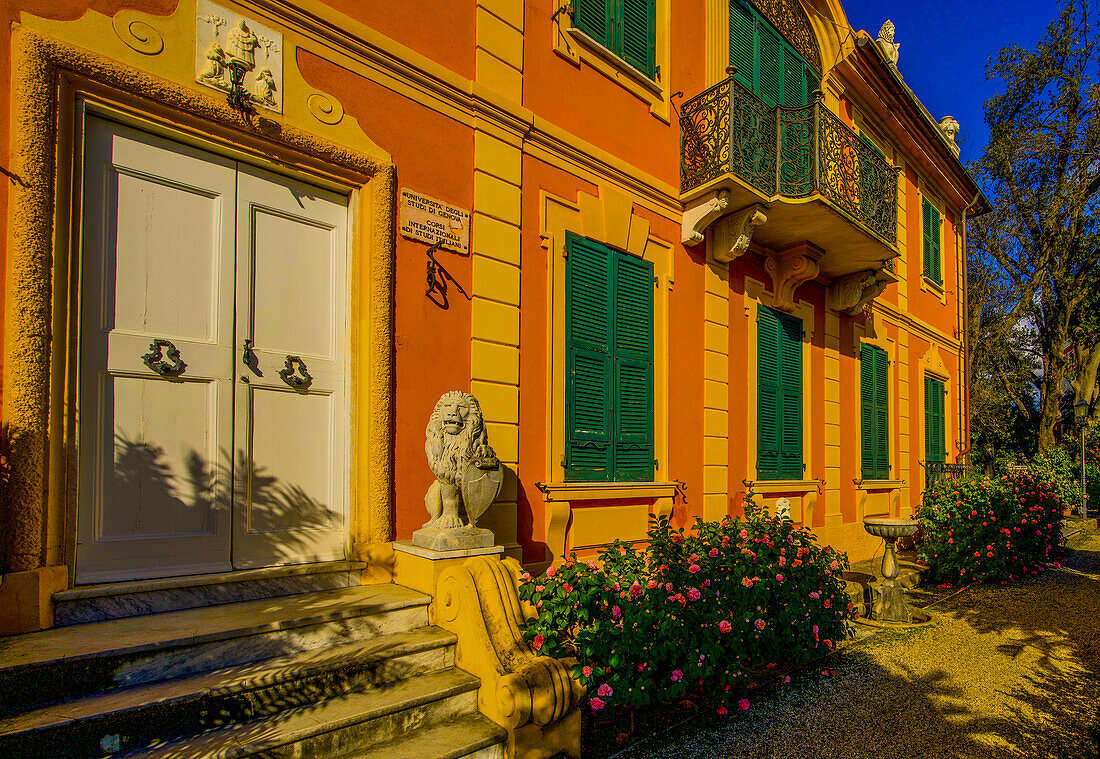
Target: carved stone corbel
pixel 789 268
pixel 733 233
pixel 853 291
pixel 533 697
pixel 700 214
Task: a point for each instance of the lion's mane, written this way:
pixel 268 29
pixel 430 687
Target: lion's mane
pixel 448 458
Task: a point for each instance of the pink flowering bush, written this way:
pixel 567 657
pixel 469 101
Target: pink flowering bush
pixel 987 529
pixel 693 611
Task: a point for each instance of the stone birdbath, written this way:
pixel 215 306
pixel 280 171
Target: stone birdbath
pixel 891 606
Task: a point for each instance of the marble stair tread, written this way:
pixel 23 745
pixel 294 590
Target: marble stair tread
pixel 447 740
pixel 191 581
pixel 191 626
pixel 302 723
pixel 243 678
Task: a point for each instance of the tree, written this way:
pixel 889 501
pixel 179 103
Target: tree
pixel 1041 172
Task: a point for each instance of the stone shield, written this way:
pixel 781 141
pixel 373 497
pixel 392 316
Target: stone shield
pixel 481 483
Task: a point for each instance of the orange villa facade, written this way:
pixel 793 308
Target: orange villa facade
pixel 690 249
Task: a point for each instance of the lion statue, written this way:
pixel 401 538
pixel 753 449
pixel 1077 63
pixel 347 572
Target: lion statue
pixel 465 467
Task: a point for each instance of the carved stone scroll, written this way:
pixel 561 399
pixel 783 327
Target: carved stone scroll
pixel 733 233
pixel 852 292
pixel 789 268
pixel 701 214
pixel 533 697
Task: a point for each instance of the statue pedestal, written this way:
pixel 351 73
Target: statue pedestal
pixel 419 568
pixel 453 539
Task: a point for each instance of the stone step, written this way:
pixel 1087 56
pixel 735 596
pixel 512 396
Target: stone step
pixel 336 727
pixel 69 662
pixel 171 709
pixel 472 737
pixel 116 600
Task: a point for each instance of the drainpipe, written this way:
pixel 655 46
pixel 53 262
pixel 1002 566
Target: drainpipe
pixel 966 328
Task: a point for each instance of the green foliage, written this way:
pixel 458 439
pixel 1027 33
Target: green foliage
pixel 1062 471
pixel 693 610
pixel 987 529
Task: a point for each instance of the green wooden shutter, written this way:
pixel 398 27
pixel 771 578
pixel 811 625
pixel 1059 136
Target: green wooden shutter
pixel 794 81
pixel 882 416
pixel 770 66
pixel 639 34
pixel 790 397
pixel 767 395
pixel 633 360
pixel 589 369
pixel 867 411
pixel 930 217
pixel 874 413
pixel 595 18
pixel 935 443
pixel 743 43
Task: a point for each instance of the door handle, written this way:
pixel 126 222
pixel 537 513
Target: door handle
pixel 166 363
pixel 295 373
pixel 249 358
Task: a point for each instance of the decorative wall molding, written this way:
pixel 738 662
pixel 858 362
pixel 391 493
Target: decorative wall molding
pixel 700 214
pixel 789 268
pixel 733 233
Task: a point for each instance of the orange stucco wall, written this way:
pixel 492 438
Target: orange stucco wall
pixel 623 144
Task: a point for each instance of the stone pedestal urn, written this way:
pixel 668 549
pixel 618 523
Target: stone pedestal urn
pixel 891 606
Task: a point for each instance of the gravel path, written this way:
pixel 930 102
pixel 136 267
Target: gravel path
pixel 1003 671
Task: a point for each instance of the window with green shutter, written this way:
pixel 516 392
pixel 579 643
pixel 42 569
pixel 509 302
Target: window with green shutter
pixel 609 364
pixel 930 218
pixel 627 28
pixel 766 63
pixel 935 442
pixel 874 413
pixel 779 396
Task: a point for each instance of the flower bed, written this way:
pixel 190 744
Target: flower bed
pixel 990 529
pixel 693 611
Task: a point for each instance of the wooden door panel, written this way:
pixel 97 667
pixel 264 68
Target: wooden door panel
pixel 157 264
pixel 291 440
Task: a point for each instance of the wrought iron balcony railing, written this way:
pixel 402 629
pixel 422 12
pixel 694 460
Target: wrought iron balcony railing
pixel 787 152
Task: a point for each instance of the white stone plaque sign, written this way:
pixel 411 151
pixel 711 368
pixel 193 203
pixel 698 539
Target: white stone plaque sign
pixel 225 39
pixel 431 220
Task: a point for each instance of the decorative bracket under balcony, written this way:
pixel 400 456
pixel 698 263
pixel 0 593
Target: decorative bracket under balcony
pixel 789 268
pixel 854 291
pixel 733 233
pixel 700 214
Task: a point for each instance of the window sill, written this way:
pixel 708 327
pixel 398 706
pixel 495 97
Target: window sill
pixel 933 287
pixel 878 484
pixel 782 486
pixel 605 491
pixel 570 42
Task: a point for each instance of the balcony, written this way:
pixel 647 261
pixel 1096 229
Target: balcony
pixel 815 178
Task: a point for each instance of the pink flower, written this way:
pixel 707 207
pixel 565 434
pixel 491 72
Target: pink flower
pixel 635 590
pixel 616 613
pixel 537 642
pixel 743 704
pixel 817 633
pixel 651 584
pixel 779 578
pixel 712 552
pixel 586 671
pixel 782 561
pixel 724 626
pixel 596 704
pixel 786 679
pixel 723 711
pixel 694 594
pixel 746 582
pixel 568 588
pixel 743 534
pixel 551 571
pixel 694 568
pixel 605 691
pixel 525 576
pixel 760 624
pixel 540 588
pixel 834 566
pixel 641 667
pixel 677 675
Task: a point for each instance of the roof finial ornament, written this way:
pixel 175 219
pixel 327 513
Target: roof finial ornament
pixel 887 44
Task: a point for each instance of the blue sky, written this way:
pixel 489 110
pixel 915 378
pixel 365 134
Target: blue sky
pixel 945 46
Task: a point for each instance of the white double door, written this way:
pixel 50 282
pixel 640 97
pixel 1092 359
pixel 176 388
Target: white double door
pixel 212 392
